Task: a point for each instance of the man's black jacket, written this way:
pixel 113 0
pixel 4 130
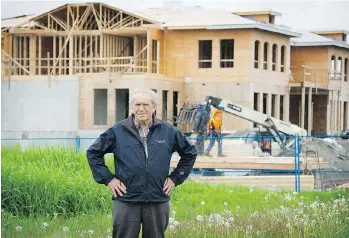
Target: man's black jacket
pixel 143 177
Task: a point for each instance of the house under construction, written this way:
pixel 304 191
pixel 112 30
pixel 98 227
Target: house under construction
pixel 73 69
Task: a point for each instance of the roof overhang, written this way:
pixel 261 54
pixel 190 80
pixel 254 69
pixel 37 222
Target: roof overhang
pixel 255 26
pixel 325 43
pixel 331 32
pixel 255 13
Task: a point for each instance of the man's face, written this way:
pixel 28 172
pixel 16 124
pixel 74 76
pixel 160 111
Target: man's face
pixel 142 107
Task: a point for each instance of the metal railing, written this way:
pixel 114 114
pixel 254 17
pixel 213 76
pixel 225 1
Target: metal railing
pixel 317 162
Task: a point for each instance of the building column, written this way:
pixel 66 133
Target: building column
pixel 111 106
pixel 334 112
pixel 310 110
pixel 341 116
pixel 260 55
pixel 277 106
pixel 287 105
pixel 170 105
pixel 270 56
pixel 260 102
pixel 303 107
pixel 328 114
pixel 269 95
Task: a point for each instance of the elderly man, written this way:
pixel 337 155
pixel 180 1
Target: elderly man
pixel 142 146
pixel 256 151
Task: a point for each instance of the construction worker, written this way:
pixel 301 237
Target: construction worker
pixel 256 151
pixel 200 128
pixel 215 131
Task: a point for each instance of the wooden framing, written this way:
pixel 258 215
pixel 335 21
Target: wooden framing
pixel 80 38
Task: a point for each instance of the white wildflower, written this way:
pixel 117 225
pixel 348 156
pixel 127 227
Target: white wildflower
pixel 231 219
pixel 225 204
pixel 44 224
pixel 18 228
pixel 226 224
pixel 109 216
pixel 175 223
pixel 171 220
pixel 90 232
pixel 199 218
pixel 221 222
pixel 108 230
pixel 65 229
pixel 173 213
pixel 171 227
pixel 202 203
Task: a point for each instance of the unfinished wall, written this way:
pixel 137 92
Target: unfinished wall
pixel 30 104
pixel 320 114
pixel 113 82
pixel 237 92
pixel 182 55
pixel 317 56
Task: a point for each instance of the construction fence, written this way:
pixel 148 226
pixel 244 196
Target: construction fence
pixel 319 162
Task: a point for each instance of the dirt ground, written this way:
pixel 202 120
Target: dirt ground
pixel 334 151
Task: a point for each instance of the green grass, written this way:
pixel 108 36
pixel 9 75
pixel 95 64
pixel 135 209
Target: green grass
pixel 48 181
pixel 55 186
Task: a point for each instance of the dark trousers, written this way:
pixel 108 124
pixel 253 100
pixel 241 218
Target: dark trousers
pixel 200 143
pixel 128 217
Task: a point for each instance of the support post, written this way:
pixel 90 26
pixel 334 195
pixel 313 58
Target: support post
pixel 32 55
pixel 303 107
pixel 310 111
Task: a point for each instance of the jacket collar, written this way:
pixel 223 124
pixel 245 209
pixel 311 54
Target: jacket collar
pixel 128 123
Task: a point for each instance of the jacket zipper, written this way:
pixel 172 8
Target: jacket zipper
pixel 145 149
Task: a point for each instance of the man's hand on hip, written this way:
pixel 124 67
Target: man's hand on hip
pixel 117 187
pixel 168 187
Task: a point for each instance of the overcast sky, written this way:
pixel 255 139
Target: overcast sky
pixel 296 14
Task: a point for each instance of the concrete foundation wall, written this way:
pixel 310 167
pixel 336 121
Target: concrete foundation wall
pixel 89 82
pixel 36 105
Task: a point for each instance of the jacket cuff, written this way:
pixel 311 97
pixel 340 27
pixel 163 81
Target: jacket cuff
pixel 174 179
pixel 107 181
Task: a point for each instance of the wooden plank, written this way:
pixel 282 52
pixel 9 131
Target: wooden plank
pixel 22 51
pixel 75 53
pixel 65 53
pixel 149 42
pixel 15 50
pixel 16 62
pixel 32 55
pixel 59 22
pixel 39 56
pixel 80 50
pixel 282 181
pixel 85 49
pixel 71 56
pixel 48 69
pixel 59 55
pixel 54 56
pixel 251 163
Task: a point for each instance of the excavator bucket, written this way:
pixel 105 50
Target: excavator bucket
pixel 187 114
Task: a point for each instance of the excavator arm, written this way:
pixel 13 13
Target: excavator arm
pixel 275 126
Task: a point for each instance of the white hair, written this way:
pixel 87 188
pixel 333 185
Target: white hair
pixel 255 143
pixel 151 93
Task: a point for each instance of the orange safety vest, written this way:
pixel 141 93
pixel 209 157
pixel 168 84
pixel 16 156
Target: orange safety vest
pixel 216 120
